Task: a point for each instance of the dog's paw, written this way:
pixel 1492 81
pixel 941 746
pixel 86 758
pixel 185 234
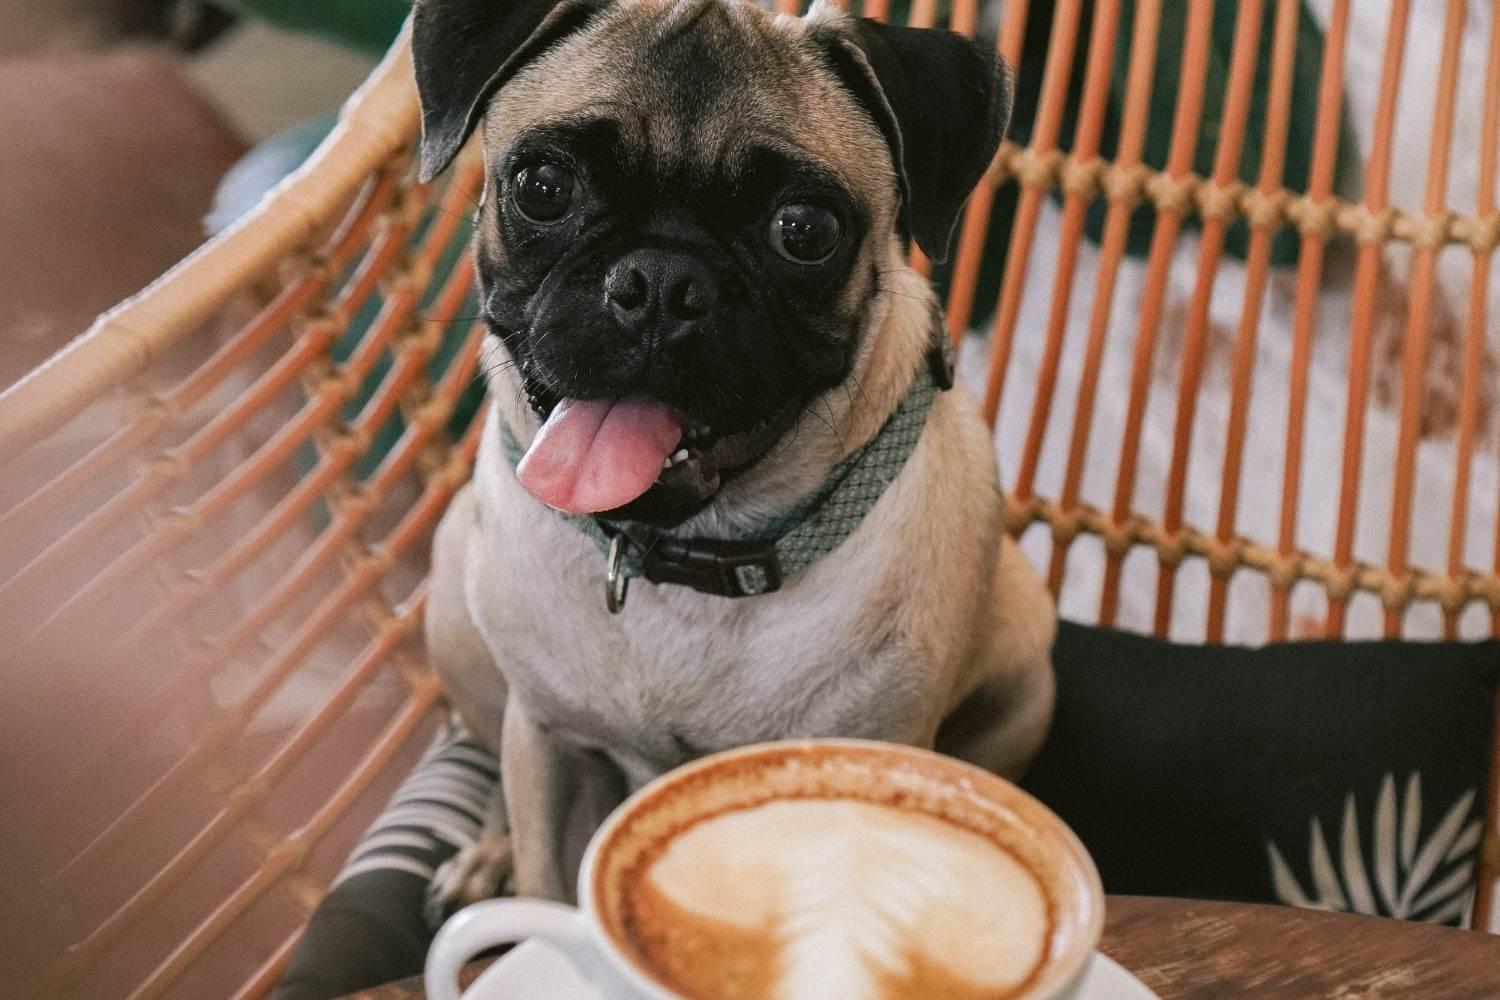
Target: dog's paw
pixel 478 872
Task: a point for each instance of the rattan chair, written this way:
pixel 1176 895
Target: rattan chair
pixel 215 508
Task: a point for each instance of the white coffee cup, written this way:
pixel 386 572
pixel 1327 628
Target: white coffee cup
pixel 912 782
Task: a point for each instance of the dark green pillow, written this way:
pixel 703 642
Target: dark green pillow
pixel 1343 775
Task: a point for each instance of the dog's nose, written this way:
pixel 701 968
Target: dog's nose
pixel 660 295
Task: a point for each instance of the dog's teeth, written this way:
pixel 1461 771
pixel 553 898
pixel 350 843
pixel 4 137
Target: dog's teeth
pixel 666 463
pixel 679 455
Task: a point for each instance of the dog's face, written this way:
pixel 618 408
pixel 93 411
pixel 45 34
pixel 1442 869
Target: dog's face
pixel 689 209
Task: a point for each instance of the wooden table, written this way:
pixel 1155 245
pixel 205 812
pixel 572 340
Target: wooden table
pixel 1187 950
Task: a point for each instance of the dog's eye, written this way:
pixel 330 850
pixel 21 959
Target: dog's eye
pixel 543 192
pixel 804 234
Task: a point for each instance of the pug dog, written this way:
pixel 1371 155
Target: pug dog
pixel 692 256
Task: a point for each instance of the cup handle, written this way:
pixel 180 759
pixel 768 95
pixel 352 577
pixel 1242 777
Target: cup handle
pixel 486 925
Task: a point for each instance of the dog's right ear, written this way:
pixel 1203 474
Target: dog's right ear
pixel 466 50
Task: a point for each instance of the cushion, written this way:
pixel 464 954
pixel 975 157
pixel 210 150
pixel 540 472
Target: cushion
pixel 1348 776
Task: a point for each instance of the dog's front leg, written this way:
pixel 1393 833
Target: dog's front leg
pixel 1000 721
pixel 480 871
pixel 477 688
pixel 557 795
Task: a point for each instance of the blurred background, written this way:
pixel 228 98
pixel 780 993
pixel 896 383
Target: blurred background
pixel 122 119
pixel 132 131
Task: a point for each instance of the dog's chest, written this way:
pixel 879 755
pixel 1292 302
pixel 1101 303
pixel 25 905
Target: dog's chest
pixel 678 673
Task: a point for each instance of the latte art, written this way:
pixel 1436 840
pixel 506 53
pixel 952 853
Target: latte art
pixel 805 899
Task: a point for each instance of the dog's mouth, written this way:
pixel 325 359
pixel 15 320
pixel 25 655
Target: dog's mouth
pixel 635 457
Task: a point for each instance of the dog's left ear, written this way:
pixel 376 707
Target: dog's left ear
pixel 466 50
pixel 943 103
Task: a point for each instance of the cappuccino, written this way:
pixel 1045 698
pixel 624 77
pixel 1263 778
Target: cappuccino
pixel 815 870
pixel 803 899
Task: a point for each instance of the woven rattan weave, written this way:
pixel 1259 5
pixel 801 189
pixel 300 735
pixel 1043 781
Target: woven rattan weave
pixel 216 503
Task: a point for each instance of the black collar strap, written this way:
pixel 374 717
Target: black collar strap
pixel 787 544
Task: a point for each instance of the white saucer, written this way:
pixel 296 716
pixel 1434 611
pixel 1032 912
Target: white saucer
pixel 1106 979
pixel 537 972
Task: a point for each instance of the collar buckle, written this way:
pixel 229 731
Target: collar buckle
pixel 616 582
pixel 714 566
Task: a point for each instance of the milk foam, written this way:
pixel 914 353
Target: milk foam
pixel 858 895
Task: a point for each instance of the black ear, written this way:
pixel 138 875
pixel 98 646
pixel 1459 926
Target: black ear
pixel 465 50
pixel 942 102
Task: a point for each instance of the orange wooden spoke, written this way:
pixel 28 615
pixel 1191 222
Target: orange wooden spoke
pixel 1419 315
pixel 1273 158
pixel 1377 182
pixel 1124 194
pixel 1216 208
pixel 1315 233
pixel 1169 216
pixel 1065 21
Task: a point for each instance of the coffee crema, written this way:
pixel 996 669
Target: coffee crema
pixel 814 898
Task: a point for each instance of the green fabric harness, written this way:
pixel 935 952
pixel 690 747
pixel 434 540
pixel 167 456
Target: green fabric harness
pixel 763 557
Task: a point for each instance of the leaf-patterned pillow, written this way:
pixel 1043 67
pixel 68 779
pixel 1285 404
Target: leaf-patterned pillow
pixel 1344 776
pixel 1424 873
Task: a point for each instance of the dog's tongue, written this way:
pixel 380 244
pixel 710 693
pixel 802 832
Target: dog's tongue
pixel 598 454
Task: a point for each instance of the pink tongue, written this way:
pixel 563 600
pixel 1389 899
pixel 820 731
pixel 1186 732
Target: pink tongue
pixel 599 454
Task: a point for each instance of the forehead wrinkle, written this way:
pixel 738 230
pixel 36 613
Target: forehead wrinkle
pixel 571 80
pixel 683 15
pixel 775 90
